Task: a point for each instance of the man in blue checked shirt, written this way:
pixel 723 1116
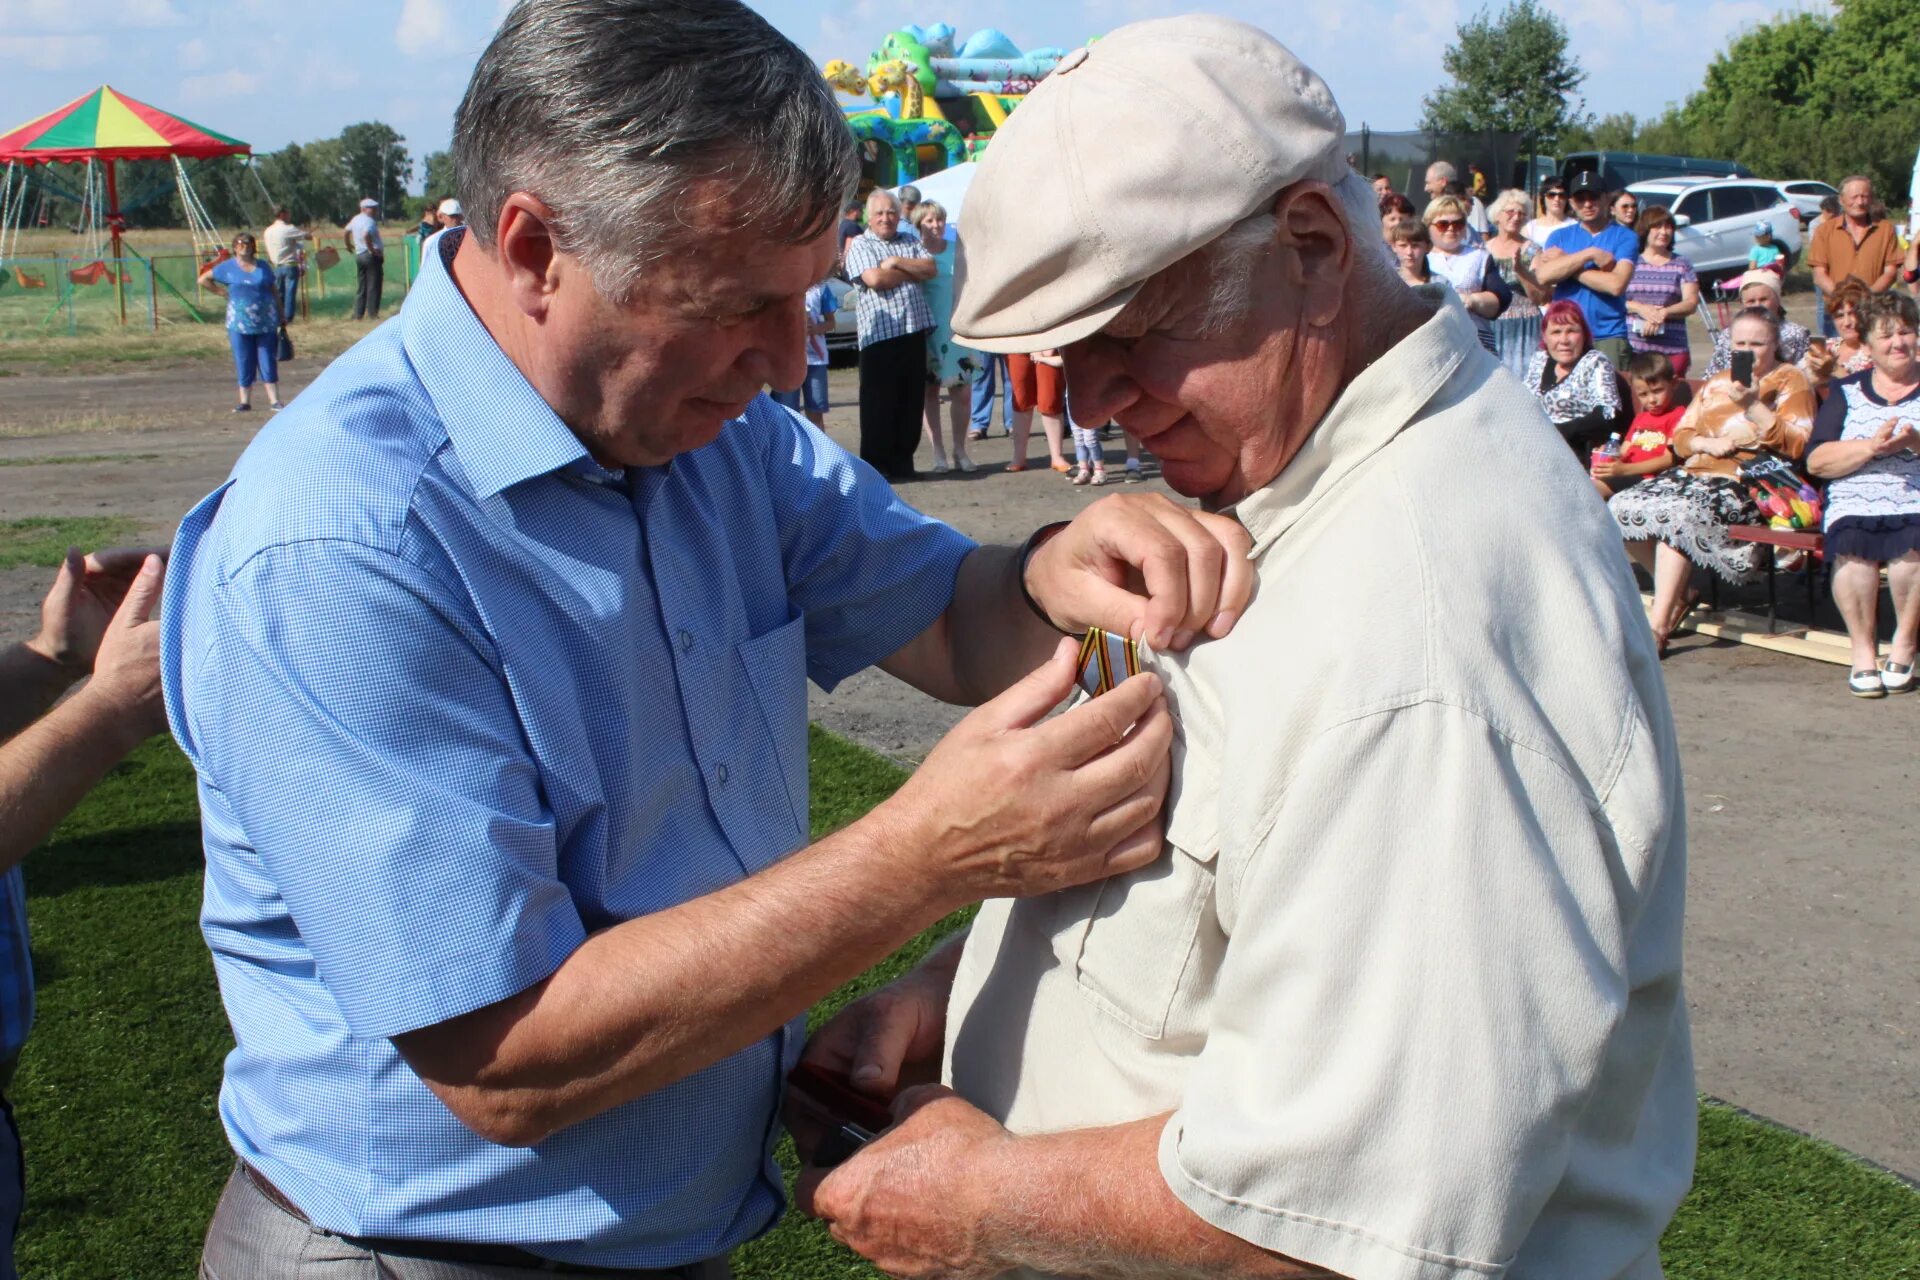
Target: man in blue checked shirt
pixel 492 658
pixel 97 626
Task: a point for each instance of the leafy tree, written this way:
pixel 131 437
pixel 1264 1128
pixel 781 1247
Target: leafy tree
pixel 1615 132
pixel 1809 95
pixel 438 167
pixel 1511 73
pixel 373 160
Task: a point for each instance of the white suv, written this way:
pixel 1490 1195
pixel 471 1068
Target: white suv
pixel 1716 217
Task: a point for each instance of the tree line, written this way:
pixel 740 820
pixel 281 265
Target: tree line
pixel 1807 95
pixel 319 182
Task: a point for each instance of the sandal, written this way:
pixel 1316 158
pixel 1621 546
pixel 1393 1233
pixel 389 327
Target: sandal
pixel 1016 466
pixel 1897 677
pixel 1866 684
pixel 1062 467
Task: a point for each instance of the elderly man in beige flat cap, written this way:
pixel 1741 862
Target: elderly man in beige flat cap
pixel 1402 999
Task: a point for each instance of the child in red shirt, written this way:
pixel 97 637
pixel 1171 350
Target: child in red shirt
pixel 1649 439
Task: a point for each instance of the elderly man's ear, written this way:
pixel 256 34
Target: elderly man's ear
pixel 1307 220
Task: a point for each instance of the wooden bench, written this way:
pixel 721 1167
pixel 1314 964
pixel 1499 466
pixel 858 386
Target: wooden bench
pixel 1814 544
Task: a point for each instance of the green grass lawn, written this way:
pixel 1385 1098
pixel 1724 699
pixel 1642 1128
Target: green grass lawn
pixel 125 1155
pixel 43 540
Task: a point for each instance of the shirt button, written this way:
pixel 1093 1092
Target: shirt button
pixel 686 642
pixel 720 774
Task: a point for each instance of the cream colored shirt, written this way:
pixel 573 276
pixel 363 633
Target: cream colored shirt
pixel 1408 975
pixel 284 241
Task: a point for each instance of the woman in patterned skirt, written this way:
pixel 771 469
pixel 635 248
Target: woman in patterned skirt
pixel 1680 518
pixel 1865 443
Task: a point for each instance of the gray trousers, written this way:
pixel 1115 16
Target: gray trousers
pixel 252 1238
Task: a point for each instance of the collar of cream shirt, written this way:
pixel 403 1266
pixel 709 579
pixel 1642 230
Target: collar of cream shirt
pixel 1372 410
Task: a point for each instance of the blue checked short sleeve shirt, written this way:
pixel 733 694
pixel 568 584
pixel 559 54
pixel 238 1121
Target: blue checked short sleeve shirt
pixel 458 697
pixel 887 313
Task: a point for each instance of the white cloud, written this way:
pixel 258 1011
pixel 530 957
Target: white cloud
pixel 220 84
pixel 426 27
pixel 68 17
pixel 51 53
pixel 194 54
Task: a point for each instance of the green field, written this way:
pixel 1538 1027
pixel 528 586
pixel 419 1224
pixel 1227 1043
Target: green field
pixel 125 1155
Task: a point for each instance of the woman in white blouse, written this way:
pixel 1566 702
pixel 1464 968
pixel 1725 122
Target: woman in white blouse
pixel 1471 271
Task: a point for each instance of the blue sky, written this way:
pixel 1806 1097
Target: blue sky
pixel 272 72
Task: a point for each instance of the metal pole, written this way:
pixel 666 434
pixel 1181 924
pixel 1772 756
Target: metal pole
pixel 153 301
pixel 113 224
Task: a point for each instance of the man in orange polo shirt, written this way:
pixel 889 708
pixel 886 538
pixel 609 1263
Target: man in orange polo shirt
pixel 1853 244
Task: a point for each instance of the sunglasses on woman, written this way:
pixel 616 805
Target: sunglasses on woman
pixel 1448 224
pixel 1554 195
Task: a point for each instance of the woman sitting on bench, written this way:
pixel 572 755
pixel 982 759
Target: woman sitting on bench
pixel 1865 442
pixel 1680 518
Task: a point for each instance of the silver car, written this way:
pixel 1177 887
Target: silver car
pixel 1715 218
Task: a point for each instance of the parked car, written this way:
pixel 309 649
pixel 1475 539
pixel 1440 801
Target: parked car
pixel 843 342
pixel 1619 169
pixel 1805 195
pixel 1715 218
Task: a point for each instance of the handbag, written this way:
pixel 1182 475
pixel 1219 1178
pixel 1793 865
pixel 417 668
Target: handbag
pixel 286 344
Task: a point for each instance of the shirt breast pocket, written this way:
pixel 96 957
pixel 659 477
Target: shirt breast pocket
pixel 776 669
pixel 1143 946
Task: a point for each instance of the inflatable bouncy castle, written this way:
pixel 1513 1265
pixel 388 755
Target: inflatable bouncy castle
pixel 935 103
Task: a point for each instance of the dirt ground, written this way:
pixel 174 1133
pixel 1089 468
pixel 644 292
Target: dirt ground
pixel 1804 929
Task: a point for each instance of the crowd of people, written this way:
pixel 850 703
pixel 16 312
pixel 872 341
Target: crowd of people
pixel 501 728
pixel 1672 457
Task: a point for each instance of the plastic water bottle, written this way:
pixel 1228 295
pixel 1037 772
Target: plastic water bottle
pixel 1612 448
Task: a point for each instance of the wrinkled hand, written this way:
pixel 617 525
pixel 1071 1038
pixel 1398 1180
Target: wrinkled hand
pixel 1887 442
pixel 1600 258
pixel 901 1025
pixel 126 670
pixel 1143 565
pixel 1007 805
pixel 1821 361
pixel 895 1032
pixel 85 593
pixel 902 1203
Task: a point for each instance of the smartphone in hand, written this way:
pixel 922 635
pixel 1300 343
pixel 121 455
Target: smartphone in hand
pixel 851 1119
pixel 1743 368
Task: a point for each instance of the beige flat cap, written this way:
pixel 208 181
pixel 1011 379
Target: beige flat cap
pixel 1132 154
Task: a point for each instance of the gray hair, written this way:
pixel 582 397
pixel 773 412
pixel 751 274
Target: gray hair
pixel 1511 198
pixel 1230 258
pixel 1441 169
pixel 1852 178
pixel 609 110
pixel 909 194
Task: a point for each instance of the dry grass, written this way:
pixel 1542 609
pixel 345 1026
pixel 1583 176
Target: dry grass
pixel 322 338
